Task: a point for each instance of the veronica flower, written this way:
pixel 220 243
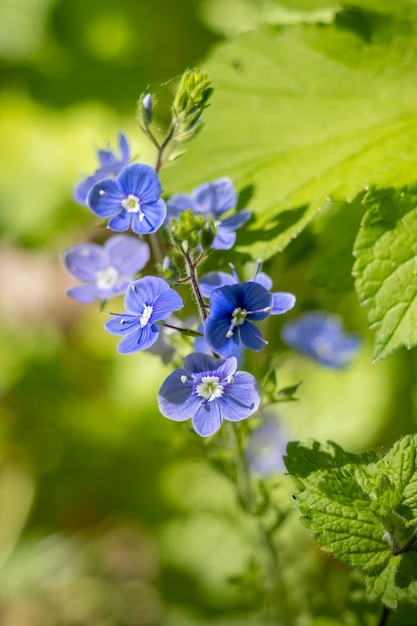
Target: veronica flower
pixel 233 309
pixel 208 390
pixel 107 270
pixel 147 300
pixel 283 301
pixel 132 199
pixel 320 336
pixel 110 165
pixel 212 200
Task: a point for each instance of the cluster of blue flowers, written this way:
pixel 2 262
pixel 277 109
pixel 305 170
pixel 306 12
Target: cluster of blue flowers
pixel 208 389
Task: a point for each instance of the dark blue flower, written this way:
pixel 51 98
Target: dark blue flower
pixel 283 301
pixel 266 447
pixel 212 200
pixel 107 270
pixel 110 165
pixel 233 308
pixel 132 199
pixel 147 300
pixel 320 336
pixel 208 390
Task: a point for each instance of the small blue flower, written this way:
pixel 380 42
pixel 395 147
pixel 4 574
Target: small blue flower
pixel 110 165
pixel 147 300
pixel 283 301
pixel 212 200
pixel 320 336
pixel 233 308
pixel 107 270
pixel 132 199
pixel 208 390
pixel 266 447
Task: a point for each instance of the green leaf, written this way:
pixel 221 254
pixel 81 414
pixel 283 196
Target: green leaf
pixel 362 510
pixel 386 267
pixel 305 112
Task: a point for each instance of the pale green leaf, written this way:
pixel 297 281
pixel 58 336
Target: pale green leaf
pixel 302 113
pixel 386 268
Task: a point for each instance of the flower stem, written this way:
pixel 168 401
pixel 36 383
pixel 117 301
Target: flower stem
pixel 193 279
pixel 383 616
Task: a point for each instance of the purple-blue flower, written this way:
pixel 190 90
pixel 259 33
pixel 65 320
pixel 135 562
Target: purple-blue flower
pixel 147 300
pixel 107 270
pixel 131 200
pixel 212 200
pixel 320 336
pixel 283 301
pixel 233 309
pixel 208 390
pixel 266 447
pixel 110 165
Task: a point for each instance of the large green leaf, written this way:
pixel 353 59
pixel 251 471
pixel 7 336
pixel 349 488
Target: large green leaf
pixel 386 268
pixel 305 112
pixel 362 510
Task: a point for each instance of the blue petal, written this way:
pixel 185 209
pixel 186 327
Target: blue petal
pixel 215 331
pixel 140 180
pixel 152 218
pixel 84 261
pixel 263 279
pixel 224 300
pixel 127 254
pixel 251 336
pixel 256 298
pixel 176 399
pixel 124 149
pixel 86 294
pixel 215 197
pixel 144 292
pixel 120 222
pixel 215 280
pixel 122 324
pixel 105 198
pixel 139 339
pixel 282 302
pixel 224 239
pixel 236 221
pixel 207 420
pixel 241 398
pixel 165 304
pixel 197 362
pixel 177 204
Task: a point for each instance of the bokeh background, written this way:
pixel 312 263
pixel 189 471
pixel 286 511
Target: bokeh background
pixel 109 514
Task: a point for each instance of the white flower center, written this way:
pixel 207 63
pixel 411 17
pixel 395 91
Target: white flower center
pixel 238 318
pixel 210 388
pixel 131 204
pixel 146 314
pixel 106 279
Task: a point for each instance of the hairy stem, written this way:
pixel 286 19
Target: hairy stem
pixel 193 279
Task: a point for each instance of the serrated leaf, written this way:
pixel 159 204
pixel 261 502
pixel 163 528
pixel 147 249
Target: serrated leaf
pixel 363 511
pixel 306 112
pixel 386 268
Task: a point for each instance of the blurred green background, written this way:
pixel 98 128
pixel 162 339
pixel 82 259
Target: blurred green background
pixel 109 513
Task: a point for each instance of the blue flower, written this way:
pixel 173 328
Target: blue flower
pixel 208 390
pixel 132 199
pixel 320 336
pixel 212 200
pixel 110 165
pixel 147 300
pixel 283 301
pixel 232 310
pixel 107 270
pixel 266 447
